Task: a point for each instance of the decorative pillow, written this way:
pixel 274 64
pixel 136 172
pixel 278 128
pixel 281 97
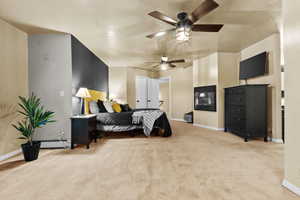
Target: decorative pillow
pixel 108 106
pixel 125 108
pixel 116 107
pixel 94 109
pixel 101 107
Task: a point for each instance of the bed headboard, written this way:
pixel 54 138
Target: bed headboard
pixel 95 96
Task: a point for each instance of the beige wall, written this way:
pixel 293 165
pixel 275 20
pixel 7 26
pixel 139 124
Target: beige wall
pixel 118 84
pixel 228 77
pixel 205 73
pixel 292 70
pixel 122 83
pixel 272 46
pixel 220 69
pixel 164 96
pixel 181 84
pixel 13 81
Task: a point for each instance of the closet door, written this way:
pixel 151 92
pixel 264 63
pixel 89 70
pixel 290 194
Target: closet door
pixel 153 93
pixel 141 92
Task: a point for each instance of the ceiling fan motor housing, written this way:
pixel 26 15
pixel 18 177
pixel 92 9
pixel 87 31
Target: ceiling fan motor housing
pixel 184 21
pixel 182 16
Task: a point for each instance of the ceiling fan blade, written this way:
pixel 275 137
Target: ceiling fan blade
pixel 141 68
pixel 162 17
pixel 207 27
pixel 160 33
pixel 176 61
pixel 172 66
pixel 206 7
pixel 188 64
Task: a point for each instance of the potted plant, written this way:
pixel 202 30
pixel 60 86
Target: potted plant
pixel 35 116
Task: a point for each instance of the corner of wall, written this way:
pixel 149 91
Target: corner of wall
pixel 13 72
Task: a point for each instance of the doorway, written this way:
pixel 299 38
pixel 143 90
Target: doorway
pixel 165 95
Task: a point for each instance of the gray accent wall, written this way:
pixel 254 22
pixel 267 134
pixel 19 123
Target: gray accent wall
pixel 50 78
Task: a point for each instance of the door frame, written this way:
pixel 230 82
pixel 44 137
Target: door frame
pixel 169 78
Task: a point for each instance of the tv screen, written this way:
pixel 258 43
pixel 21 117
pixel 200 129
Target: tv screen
pixel 205 98
pixel 253 67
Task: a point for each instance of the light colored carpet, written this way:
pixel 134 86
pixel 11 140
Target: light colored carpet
pixel 194 163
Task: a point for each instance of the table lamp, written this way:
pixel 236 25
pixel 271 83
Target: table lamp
pixel 83 93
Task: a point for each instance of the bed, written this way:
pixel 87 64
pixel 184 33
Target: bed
pixel 122 121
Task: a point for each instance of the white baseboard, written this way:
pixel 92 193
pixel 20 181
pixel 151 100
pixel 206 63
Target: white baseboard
pixel 53 145
pixel 180 120
pixel 11 154
pixel 209 127
pixel 291 187
pixel 275 140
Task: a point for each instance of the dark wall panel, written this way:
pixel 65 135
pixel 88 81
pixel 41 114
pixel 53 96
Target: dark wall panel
pixel 87 71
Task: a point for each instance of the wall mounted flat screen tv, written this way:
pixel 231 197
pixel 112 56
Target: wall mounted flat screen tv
pixel 205 98
pixel 255 66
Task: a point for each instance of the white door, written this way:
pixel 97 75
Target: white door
pixel 153 93
pixel 141 92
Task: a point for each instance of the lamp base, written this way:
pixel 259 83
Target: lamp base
pixel 82 107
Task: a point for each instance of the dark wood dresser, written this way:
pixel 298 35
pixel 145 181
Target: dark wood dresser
pixel 246 111
pixel 83 129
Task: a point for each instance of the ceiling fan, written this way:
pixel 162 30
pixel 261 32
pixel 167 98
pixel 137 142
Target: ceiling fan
pixel 186 22
pixel 165 63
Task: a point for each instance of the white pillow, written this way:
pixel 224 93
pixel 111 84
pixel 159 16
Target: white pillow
pixel 108 106
pixel 94 109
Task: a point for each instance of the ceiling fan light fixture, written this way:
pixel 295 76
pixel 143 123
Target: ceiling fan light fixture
pixel 164 66
pixel 160 34
pixel 183 33
pixel 164 58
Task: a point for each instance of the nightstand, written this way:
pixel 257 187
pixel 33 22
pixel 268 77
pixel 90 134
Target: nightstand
pixel 84 128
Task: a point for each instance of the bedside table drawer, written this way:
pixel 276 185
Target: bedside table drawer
pixel 92 124
pixel 83 129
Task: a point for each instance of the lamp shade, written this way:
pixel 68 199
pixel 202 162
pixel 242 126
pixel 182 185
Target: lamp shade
pixel 83 93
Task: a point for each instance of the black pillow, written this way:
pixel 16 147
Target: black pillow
pixel 101 106
pixel 125 108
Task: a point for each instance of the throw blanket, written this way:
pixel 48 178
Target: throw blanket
pixel 147 118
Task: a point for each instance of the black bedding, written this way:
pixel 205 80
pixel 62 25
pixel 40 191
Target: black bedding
pixel 163 123
pixel 118 122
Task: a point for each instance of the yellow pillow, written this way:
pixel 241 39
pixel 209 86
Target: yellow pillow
pixel 116 107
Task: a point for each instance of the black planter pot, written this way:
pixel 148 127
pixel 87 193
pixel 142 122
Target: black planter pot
pixel 31 152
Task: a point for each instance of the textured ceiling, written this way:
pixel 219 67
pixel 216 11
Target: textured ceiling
pixel 115 30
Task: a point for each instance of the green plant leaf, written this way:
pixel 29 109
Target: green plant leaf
pixel 35 116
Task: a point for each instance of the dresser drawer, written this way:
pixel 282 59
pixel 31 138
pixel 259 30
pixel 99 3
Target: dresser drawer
pixel 238 111
pixel 237 99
